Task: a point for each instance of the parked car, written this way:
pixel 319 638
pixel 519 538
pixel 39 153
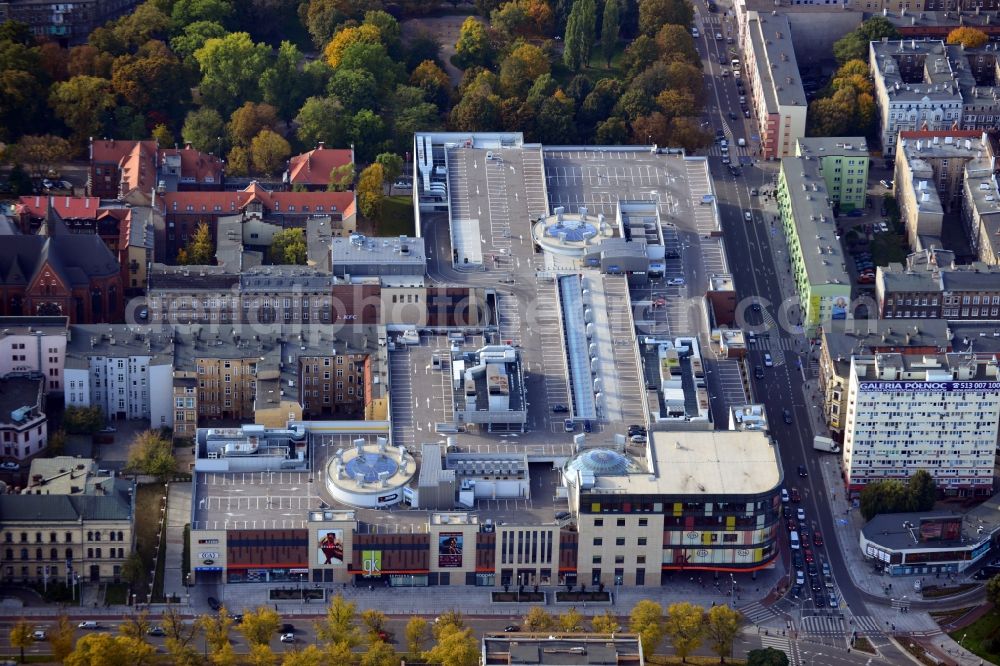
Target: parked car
pixel 636 429
pixel 588 426
pixel 560 409
pixel 568 425
pixel 214 604
pixel 287 638
pixel 10 466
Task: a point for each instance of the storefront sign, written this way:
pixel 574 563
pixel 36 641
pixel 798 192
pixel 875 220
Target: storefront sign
pixel 920 387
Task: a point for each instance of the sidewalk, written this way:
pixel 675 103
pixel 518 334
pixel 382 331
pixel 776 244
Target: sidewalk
pixel 178 515
pixel 476 601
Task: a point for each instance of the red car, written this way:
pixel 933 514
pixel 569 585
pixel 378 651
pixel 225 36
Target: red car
pixel 818 539
pixel 808 554
pixel 795 495
pixel 792 525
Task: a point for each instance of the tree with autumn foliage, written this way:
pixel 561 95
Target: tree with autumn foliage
pixel 970 38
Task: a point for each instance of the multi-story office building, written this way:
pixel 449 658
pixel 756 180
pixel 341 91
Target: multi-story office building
pixel 933 291
pixel 844 165
pixel 928 85
pixel 126 371
pixel 775 87
pixel 929 174
pixel 818 267
pixel 981 208
pixel 680 508
pixel 34 346
pixel 71 524
pixel 23 424
pixel 937 412
pixel 841 340
pixel 64 22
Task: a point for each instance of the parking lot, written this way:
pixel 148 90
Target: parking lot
pixel 254 500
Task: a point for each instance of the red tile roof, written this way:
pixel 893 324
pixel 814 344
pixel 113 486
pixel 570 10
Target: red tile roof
pixel 314 167
pixel 195 164
pixel 75 208
pixel 280 202
pixel 139 168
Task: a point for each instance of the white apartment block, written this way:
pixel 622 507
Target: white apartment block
pixel 34 346
pixel 935 412
pixel 128 374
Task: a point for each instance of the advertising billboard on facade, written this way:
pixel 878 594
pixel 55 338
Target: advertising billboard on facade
pixel 450 549
pixel 329 547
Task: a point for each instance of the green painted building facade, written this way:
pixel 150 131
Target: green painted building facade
pixel 844 165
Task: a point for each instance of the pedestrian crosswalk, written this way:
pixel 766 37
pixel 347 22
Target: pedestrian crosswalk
pixel 715 150
pixel 757 612
pixel 773 342
pixel 782 644
pixel 867 624
pixel 823 625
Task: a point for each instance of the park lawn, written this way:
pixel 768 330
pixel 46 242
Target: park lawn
pixel 396 218
pixel 973 636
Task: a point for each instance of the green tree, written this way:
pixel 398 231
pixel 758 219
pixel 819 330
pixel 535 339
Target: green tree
pixel 194 37
pixel 639 55
pixel 433 80
pixel 571 620
pixel 269 151
pixel 767 657
pixel 149 453
pixel 259 625
pixel 199 251
pixel 334 51
pixel 83 420
pixel 473 46
pixel 654 14
pixel 355 89
pixel 379 653
pixel 204 129
pixel 17 32
pixel 367 132
pixel 392 165
pixel 521 68
pixel 231 70
pixel 684 626
pixel 579 38
pixel 285 84
pixel 854 45
pixel 605 623
pixel 341 178
pixel 416 634
pixel 81 103
pixel 288 247
pixel 722 625
pixel 338 626
pixel 147 21
pixel 610 29
pixel 676 43
pixel 646 620
pixel 922 491
pixel 40 153
pixel 611 132
pixel 321 119
pixel 887 496
pixel 454 647
pixel 61 637
pixel 20 636
pixel 133 569
pixel 369 191
pixel 186 12
pixel 993 590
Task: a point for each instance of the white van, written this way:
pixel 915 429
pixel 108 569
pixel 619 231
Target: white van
pixel 793 540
